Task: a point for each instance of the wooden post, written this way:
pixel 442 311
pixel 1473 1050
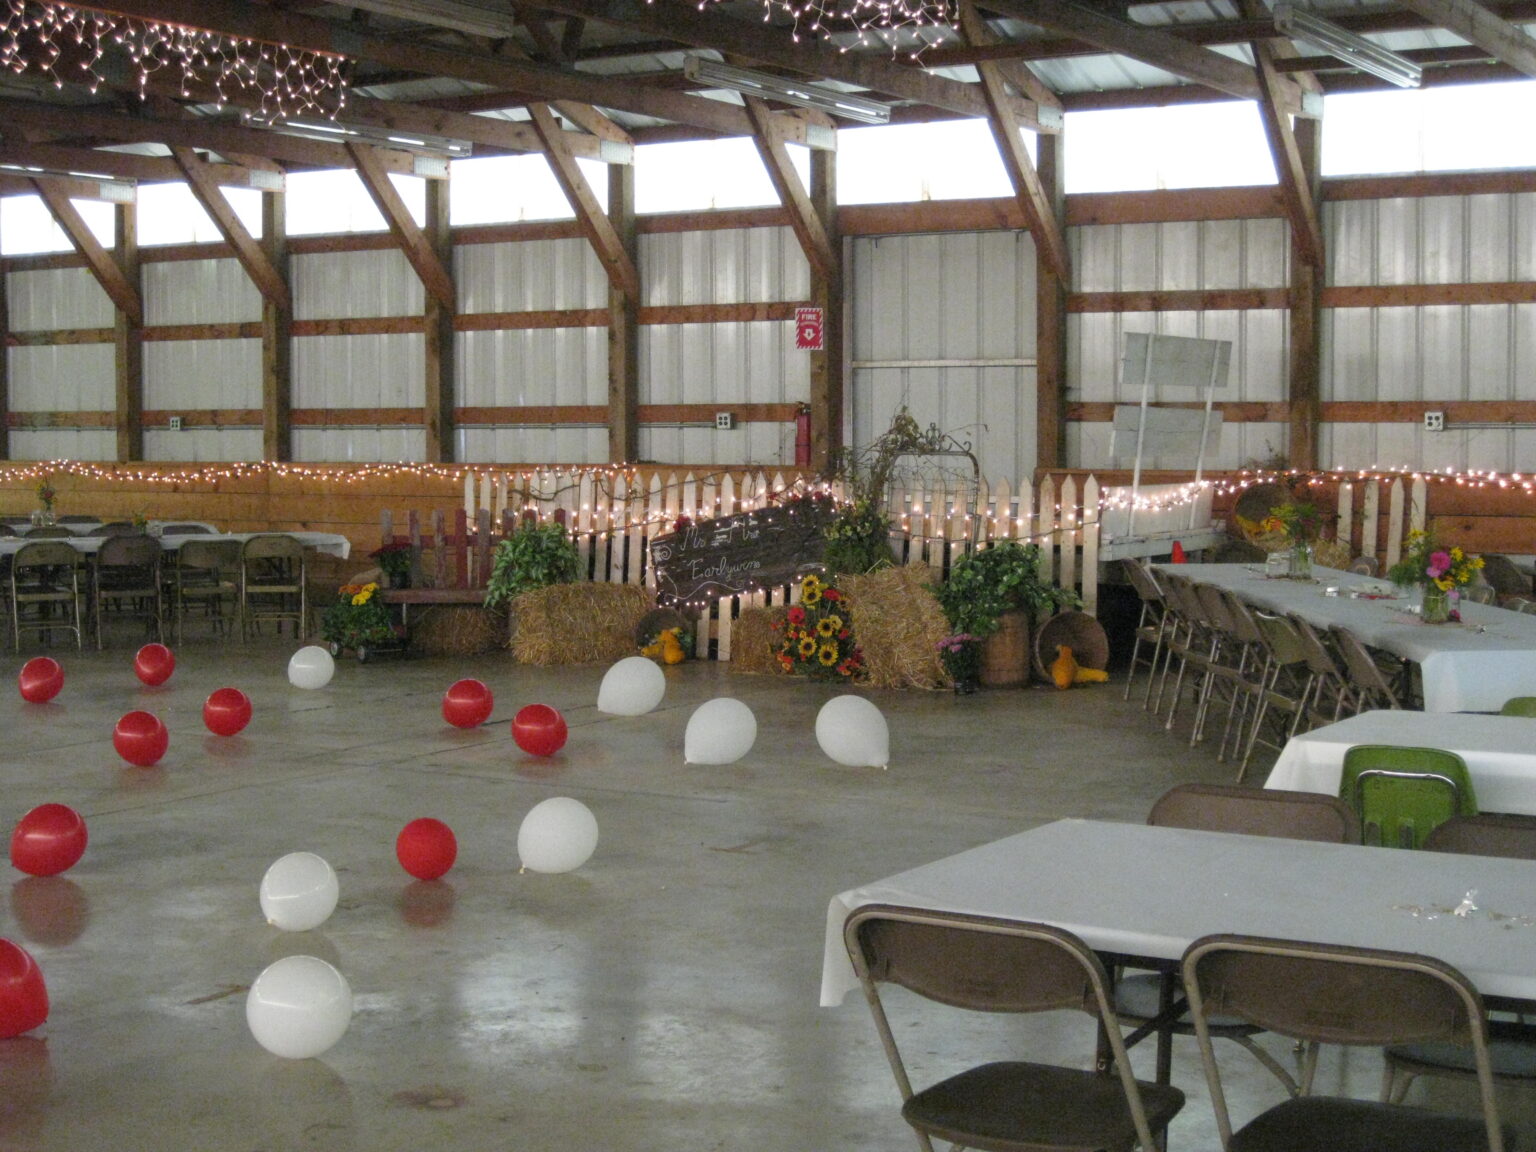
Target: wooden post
pixel 440 351
pixel 828 365
pixel 127 339
pixel 276 336
pixel 623 326
pixel 1050 323
pixel 1305 322
pixel 5 372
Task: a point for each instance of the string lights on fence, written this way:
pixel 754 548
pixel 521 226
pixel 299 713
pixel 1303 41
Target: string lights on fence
pixel 68 43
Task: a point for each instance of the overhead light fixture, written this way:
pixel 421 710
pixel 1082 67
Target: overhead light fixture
pixel 339 133
pixel 1352 49
pixel 714 75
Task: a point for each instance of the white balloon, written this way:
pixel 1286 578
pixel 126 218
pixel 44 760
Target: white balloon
pixel 299 1007
pixel 557 835
pixel 853 732
pixel 632 687
pixel 719 732
pixel 299 892
pixel 311 667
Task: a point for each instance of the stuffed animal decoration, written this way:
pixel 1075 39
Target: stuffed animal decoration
pixel 1064 667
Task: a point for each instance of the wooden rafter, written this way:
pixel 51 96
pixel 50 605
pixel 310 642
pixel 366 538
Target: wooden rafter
pixel 420 251
pixel 754 42
pixel 1044 226
pixel 1140 42
pixel 808 225
pixel 121 165
pixel 979 34
pixel 599 230
pixel 1477 25
pixel 123 293
pixel 188 133
pixel 253 258
pixel 535 80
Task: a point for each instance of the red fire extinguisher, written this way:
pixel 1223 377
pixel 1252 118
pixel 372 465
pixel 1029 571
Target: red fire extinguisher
pixel 803 437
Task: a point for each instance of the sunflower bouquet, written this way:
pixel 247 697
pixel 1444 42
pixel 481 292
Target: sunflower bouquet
pixel 818 634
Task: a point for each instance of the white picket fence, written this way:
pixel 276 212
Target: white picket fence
pixel 613 517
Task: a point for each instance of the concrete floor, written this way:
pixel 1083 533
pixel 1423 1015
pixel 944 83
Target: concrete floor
pixel 664 996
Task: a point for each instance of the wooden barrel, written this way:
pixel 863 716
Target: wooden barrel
pixel 1005 653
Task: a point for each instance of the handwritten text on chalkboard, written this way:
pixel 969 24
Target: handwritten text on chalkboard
pixel 742 553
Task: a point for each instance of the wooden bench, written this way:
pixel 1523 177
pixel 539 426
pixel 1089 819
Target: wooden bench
pixel 428 597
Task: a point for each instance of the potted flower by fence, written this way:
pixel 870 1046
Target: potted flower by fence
pixel 995 594
pixel 395 562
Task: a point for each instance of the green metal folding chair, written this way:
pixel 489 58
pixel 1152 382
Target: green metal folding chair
pixel 1401 794
pixel 1519 706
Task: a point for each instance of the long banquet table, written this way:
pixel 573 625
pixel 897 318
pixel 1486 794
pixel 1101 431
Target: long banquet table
pixel 1469 667
pixel 331 543
pixel 1146 893
pixel 1500 752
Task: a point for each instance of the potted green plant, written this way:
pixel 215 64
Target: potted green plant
pixel 994 594
pixel 535 555
pixel 859 539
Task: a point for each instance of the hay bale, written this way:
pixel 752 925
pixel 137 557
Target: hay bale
pixel 898 624
pixel 755 638
pixel 457 629
pixel 577 623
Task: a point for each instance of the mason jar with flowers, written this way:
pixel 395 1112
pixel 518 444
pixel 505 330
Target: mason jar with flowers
pixel 45 498
pixel 1302 524
pixel 1440 572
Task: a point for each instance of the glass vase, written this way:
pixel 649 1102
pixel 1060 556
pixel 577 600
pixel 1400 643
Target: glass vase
pixel 1436 608
pixel 1301 560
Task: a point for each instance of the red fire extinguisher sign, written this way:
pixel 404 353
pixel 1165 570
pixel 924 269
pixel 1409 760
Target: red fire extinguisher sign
pixel 809 330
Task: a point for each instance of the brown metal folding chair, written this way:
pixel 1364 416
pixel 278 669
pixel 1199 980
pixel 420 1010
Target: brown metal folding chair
pixel 980 964
pixel 1330 994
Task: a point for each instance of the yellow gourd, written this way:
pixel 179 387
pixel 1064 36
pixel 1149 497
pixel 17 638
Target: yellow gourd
pixel 1091 676
pixel 1064 667
pixel 671 647
pixel 653 649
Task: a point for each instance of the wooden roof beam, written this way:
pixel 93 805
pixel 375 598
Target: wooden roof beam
pixel 1034 201
pixel 1295 186
pixel 877 73
pixel 537 81
pixel 808 226
pixel 1151 46
pixel 600 232
pixel 421 253
pixel 123 293
pixel 118 165
pixel 252 256
pixel 1477 25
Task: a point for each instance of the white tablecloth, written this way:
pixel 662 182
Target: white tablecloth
pixel 328 542
pixel 1500 752
pixel 1469 667
pixel 1149 892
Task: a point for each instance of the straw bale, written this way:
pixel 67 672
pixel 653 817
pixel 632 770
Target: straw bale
pixel 577 623
pixel 457 629
pixel 898 624
pixel 755 637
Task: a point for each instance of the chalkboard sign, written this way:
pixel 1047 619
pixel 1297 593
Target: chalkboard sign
pixel 743 553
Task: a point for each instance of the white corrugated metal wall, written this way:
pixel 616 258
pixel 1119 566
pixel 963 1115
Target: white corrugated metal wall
pixel 189 374
pixel 1438 353
pixel 1179 257
pixel 530 367
pixel 358 371
pixel 60 377
pixel 722 364
pixel 964 303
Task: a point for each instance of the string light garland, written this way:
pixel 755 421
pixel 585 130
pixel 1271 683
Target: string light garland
pixel 68 43
pixel 870 18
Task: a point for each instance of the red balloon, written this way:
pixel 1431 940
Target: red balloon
pixel 40 680
pixel 23 996
pixel 140 738
pixel 426 848
pixel 48 840
pixel 539 730
pixel 467 704
pixel 154 664
pixel 227 711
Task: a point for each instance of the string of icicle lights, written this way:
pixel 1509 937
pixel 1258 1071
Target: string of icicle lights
pixel 68 43
pixel 869 18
